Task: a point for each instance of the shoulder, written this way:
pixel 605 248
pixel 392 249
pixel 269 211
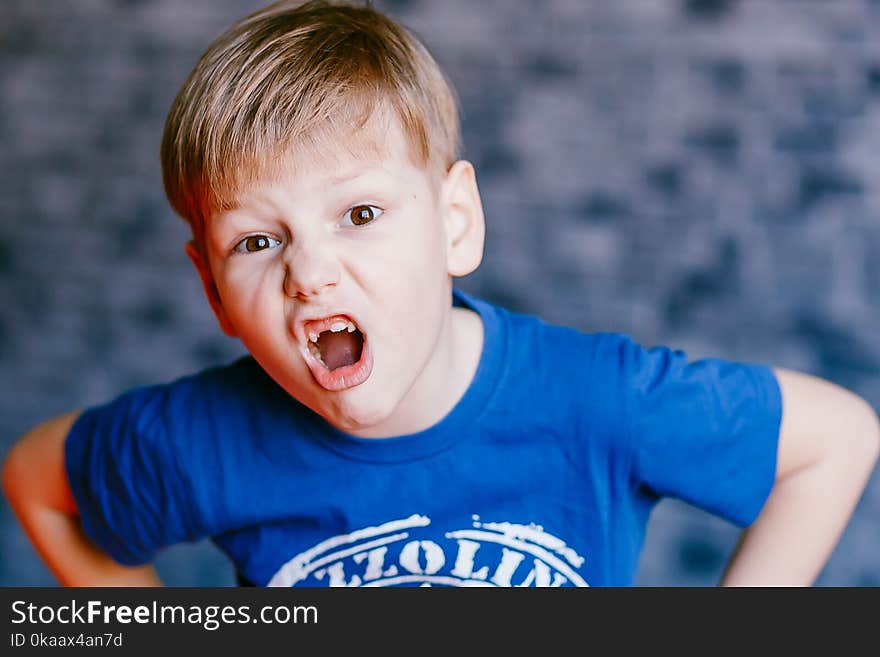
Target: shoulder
pixel 219 386
pixel 596 369
pixel 613 375
pixel 232 378
pixel 583 372
pixel 179 411
pixel 579 351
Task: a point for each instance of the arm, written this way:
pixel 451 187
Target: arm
pixel 35 483
pixel 829 441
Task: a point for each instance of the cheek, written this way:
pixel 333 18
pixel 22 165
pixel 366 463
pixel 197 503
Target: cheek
pixel 421 248
pixel 248 291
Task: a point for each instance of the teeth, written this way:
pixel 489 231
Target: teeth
pixel 335 327
pixel 313 349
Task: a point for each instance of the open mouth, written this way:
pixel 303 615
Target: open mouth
pixel 338 346
pixel 338 350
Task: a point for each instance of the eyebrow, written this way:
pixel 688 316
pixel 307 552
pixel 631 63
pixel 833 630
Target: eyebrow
pixel 340 179
pixel 347 177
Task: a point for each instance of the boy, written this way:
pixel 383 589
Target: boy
pixel 386 428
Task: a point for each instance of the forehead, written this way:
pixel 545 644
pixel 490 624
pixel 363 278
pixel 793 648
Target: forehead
pixel 331 155
pixel 377 143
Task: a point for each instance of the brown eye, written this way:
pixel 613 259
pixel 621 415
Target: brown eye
pixel 256 243
pixel 361 214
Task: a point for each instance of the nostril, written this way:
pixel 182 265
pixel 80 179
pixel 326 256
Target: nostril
pixel 302 285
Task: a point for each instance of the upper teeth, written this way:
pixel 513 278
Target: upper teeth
pixel 335 327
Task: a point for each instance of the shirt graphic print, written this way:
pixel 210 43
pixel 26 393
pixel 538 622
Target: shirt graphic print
pixel 406 553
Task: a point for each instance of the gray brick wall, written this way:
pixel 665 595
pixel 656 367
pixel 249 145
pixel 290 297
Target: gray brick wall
pixel 698 173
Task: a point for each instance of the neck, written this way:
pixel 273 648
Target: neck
pixel 444 382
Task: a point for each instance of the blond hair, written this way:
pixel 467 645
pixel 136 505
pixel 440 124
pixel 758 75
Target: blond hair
pixel 298 76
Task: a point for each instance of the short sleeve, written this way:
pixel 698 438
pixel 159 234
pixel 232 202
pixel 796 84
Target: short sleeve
pixel 125 479
pixel 704 431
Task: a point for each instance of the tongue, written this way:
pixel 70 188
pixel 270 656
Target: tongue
pixel 340 349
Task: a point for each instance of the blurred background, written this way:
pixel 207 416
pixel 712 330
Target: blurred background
pixel 697 173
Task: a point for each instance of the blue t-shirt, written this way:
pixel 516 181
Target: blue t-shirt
pixel 544 473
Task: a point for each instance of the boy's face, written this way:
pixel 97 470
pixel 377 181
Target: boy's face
pixel 357 252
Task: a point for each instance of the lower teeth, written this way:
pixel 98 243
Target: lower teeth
pixel 313 349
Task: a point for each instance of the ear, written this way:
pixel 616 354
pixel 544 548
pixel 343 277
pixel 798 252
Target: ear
pixel 199 260
pixel 464 221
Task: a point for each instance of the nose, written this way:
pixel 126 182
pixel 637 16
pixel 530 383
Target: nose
pixel 309 271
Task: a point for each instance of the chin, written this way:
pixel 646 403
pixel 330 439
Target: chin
pixel 353 415
pixel 353 421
